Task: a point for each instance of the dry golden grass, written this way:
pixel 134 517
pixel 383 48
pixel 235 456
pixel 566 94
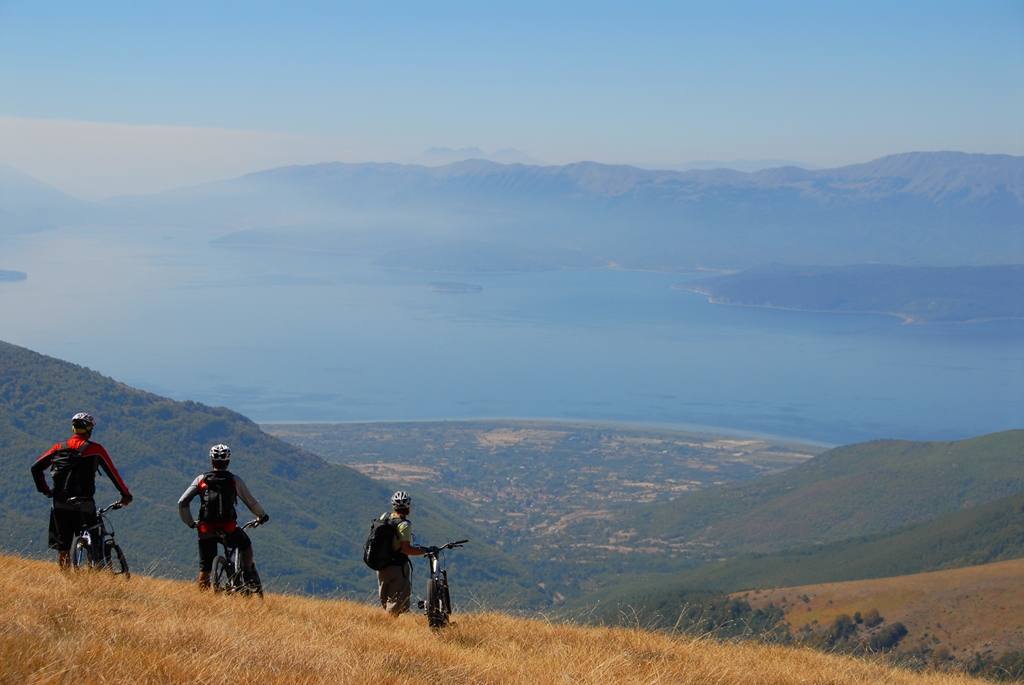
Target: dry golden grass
pixel 93 628
pixel 971 609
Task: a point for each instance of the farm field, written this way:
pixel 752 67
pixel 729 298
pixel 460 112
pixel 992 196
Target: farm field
pixel 531 480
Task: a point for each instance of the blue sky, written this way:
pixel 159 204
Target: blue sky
pixel 656 83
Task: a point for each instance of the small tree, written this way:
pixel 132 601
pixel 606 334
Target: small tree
pixel 840 630
pixel 887 638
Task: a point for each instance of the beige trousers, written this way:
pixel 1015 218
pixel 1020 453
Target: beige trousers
pixel 395 588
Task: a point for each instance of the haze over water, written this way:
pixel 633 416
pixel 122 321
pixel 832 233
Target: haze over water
pixel 318 337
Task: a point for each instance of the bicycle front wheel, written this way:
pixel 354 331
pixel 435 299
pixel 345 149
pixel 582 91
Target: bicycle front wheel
pixel 221 575
pixel 81 553
pixel 436 617
pixel 446 602
pixel 115 561
pixel 252 583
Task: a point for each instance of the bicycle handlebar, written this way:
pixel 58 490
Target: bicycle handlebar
pixel 110 507
pixel 448 545
pixel 255 523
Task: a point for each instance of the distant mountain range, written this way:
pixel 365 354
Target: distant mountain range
pixel 748 165
pixel 436 156
pixel 934 208
pixel 28 205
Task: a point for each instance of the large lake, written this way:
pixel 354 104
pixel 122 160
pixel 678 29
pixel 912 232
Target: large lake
pixel 303 336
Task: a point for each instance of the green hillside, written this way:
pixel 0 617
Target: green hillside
pixel 862 489
pixel 320 512
pixel 991 532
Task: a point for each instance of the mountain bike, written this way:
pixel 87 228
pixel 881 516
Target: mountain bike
pixel 438 605
pixel 94 546
pixel 228 575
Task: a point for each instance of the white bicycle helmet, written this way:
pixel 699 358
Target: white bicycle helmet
pixel 82 422
pixel 401 500
pixel 220 452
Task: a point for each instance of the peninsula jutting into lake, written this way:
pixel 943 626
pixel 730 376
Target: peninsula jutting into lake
pixel 956 294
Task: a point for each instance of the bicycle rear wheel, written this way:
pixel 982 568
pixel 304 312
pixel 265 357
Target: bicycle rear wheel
pixel 81 553
pixel 222 573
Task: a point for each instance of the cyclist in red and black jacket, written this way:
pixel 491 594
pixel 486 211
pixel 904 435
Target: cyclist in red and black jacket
pixel 73 465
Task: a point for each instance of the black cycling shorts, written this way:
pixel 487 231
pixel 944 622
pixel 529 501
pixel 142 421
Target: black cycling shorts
pixel 208 547
pixel 65 523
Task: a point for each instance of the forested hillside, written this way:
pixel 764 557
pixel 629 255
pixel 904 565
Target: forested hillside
pixel 978 535
pixel 319 512
pixel 857 490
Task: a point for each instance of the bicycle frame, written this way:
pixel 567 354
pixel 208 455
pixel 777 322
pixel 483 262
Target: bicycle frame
pixel 438 605
pixel 234 582
pixel 99 538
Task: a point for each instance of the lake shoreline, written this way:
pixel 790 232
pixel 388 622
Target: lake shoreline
pixel 905 319
pixel 690 429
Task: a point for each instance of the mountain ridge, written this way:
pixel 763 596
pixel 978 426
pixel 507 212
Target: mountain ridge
pixel 911 208
pixel 907 164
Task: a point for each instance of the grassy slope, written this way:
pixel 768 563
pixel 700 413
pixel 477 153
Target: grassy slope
pixel 319 512
pixel 967 609
pixel 849 491
pixel 63 628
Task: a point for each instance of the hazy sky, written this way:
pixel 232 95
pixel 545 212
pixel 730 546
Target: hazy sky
pixel 188 91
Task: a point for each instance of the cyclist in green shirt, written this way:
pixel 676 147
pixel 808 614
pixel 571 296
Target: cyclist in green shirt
pixel 394 582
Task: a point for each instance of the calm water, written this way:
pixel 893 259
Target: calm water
pixel 324 337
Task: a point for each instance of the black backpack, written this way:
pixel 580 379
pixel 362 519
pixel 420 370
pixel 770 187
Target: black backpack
pixel 217 495
pixel 74 475
pixel 378 552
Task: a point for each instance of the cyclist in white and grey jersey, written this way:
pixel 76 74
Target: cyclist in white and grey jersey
pixel 218 491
